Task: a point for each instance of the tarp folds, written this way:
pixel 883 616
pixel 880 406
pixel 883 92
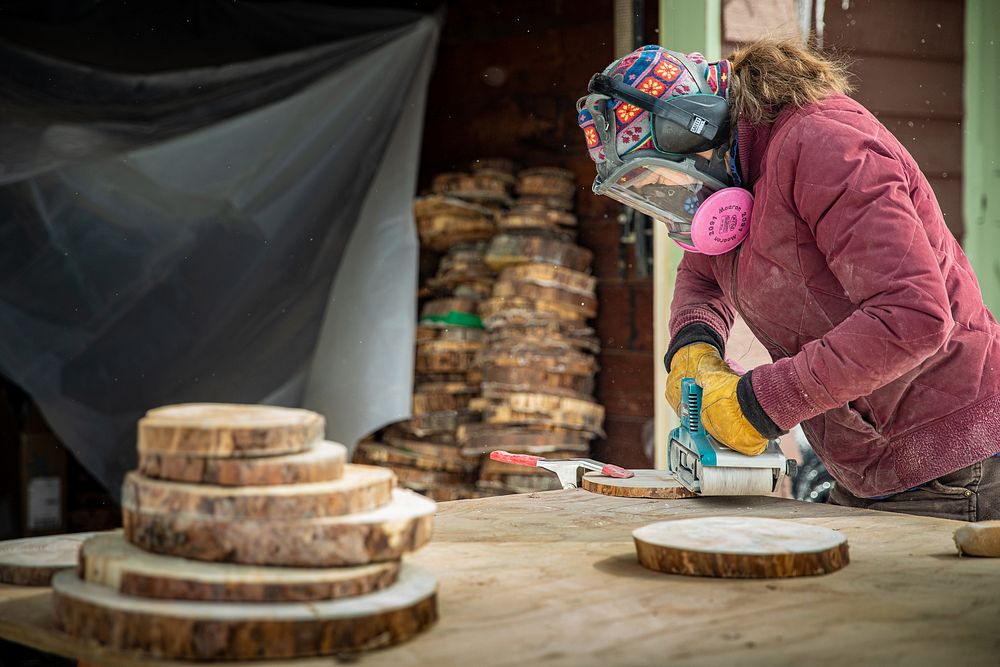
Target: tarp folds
pixel 193 235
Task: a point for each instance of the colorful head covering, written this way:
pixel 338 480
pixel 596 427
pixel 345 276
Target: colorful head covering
pixel 653 70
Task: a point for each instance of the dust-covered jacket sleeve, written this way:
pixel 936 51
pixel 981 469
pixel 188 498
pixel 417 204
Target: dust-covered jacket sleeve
pixel 847 181
pixel 698 302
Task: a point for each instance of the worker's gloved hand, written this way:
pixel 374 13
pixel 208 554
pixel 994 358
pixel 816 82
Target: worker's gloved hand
pixel 721 413
pixel 685 364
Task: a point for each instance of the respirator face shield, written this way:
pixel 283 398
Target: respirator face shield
pixel 673 192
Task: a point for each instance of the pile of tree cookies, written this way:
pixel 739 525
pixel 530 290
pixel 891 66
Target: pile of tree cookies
pixel 522 383
pixel 458 219
pixel 237 504
pixel 538 367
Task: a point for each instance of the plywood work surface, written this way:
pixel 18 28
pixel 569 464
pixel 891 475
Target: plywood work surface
pixel 552 579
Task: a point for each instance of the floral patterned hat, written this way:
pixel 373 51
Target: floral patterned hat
pixel 658 72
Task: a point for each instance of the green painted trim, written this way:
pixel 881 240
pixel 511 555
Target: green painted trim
pixel 686 26
pixel 981 146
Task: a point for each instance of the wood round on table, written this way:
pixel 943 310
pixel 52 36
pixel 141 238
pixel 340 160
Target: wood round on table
pixel 33 561
pixel 385 534
pixel 111 561
pixel 361 489
pixel 741 547
pixel 223 429
pixel 645 484
pixel 183 629
pixel 320 462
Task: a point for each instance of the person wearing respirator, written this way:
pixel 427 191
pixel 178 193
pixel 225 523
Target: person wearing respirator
pixel 799 210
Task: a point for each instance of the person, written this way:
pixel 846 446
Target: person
pixel 800 211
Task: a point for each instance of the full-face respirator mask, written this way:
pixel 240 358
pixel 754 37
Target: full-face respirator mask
pixel 660 144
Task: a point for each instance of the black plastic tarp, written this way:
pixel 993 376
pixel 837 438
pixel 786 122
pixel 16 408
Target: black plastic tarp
pixel 238 231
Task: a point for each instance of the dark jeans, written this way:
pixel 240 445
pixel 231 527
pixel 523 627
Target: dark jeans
pixel 968 494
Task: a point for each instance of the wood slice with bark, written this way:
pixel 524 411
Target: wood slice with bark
pixel 740 547
pixel 376 454
pixel 32 561
pixel 547 403
pixel 483 186
pixel 322 461
pixel 499 380
pixel 504 414
pixel 529 215
pixel 424 207
pixel 439 232
pixel 353 539
pixel 522 310
pixel 195 630
pixel 424 402
pixel 440 426
pixel 584 304
pixel 429 331
pixel 360 489
pixel 547 275
pixel 434 449
pixel 222 429
pixel 548 201
pixel 510 249
pixel 551 358
pixel 442 307
pixel 645 484
pixel 546 181
pixel 111 561
pixel 420 480
pixel 446 356
pixel 479 439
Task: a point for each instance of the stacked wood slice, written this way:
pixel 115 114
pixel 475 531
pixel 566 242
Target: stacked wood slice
pixel 238 503
pixel 538 369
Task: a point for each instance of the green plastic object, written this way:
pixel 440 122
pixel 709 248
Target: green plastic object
pixel 456 318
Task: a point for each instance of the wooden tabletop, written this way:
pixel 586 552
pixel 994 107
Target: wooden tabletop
pixel 552 579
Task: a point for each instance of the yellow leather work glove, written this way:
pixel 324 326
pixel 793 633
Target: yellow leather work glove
pixel 721 412
pixel 684 364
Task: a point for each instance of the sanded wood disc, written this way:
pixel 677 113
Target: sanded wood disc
pixel 361 489
pixel 111 561
pixel 184 629
pixel 382 535
pixel 433 331
pixel 446 356
pixel 434 449
pixel 504 414
pixel 743 547
pixel 224 429
pixel 33 561
pixel 645 484
pixel 321 462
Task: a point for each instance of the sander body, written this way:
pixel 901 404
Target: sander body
pixel 710 468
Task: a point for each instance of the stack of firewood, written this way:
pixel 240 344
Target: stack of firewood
pixel 538 368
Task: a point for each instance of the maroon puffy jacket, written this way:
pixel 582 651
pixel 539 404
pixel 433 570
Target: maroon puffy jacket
pixel 881 344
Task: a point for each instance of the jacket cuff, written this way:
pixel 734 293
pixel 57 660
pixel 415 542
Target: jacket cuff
pixel 693 314
pixel 697 332
pixel 753 411
pixel 781 395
